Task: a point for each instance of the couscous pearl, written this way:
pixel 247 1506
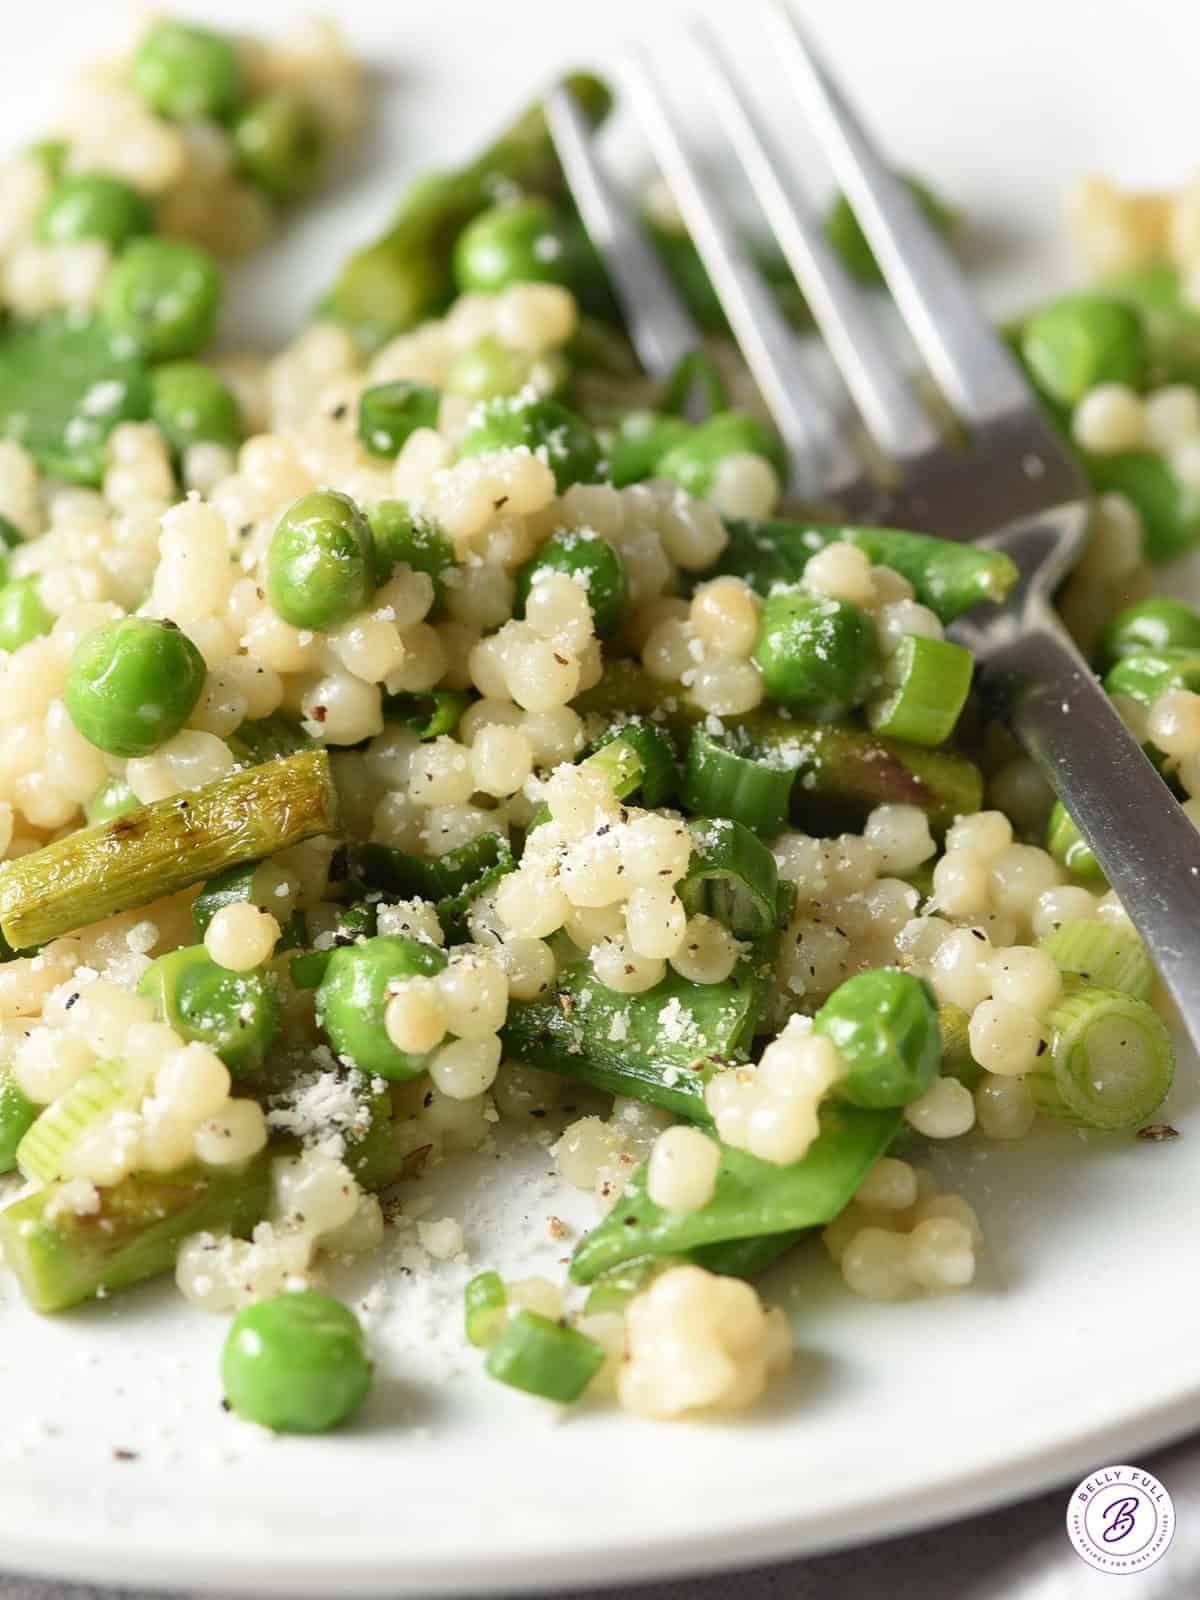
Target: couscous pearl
pixel 1023 976
pixel 726 688
pixel 241 937
pixel 1057 907
pixel 474 995
pixel 529 966
pixel 945 1111
pixel 465 1067
pixel 875 1264
pixel 1004 1107
pixel 1019 875
pixel 961 884
pixel 1005 1038
pixel 891 1185
pixel 655 921
pixel 682 1171
pixel 1108 419
pixel 941 1254
pixel 745 485
pixel 724 617
pixel 501 760
pixel 530 907
pixel 618 966
pixel 960 970
pixel 707 953
pixel 985 834
pixel 901 837
pixel 235 1135
pixel 843 572
pixel 1174 722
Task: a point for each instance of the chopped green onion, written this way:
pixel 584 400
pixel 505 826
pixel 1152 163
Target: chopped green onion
pixel 697 369
pixel 103 1088
pixel 1102 956
pixel 637 758
pixel 485 1308
pixel 928 682
pixel 451 881
pixel 718 782
pixel 1109 1060
pixel 1068 846
pixel 17 1116
pixel 732 876
pixel 545 1358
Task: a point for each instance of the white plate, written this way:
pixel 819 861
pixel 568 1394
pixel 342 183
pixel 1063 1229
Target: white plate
pixel 1078 1344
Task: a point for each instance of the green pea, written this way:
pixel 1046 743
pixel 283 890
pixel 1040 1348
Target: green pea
pixel 564 440
pixel 281 144
pixel 694 462
pixel 237 1014
pixel 528 241
pixel 22 615
pixel 1080 341
pixel 192 405
pixel 1159 623
pixel 52 153
pixel 845 233
pixel 94 206
pixel 592 562
pixel 111 800
pixel 489 369
pixel 187 72
pixel 401 535
pixel 133 683
pixel 816 655
pixel 885 1026
pixel 1169 508
pixel 354 994
pixel 296 1363
pixel 389 412
pixel 163 297
pixel 642 439
pixel 319 565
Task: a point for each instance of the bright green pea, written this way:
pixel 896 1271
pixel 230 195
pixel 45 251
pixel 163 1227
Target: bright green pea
pixel 564 440
pixel 528 241
pixel 642 439
pixel 281 144
pixel 111 800
pixel 695 460
pixel 319 565
pixel 191 404
pixel 400 535
pixel 592 562
pixel 296 1363
pixel 489 369
pixel 1080 341
pixel 816 655
pixel 885 1026
pixel 187 72
pixel 22 615
pixel 354 994
pixel 94 206
pixel 163 297
pixel 133 683
pixel 237 1014
pixel 1159 623
pixel 389 412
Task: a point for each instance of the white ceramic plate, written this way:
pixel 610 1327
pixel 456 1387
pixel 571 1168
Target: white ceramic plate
pixel 1078 1344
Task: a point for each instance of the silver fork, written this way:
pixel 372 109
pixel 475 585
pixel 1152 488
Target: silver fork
pixel 1011 485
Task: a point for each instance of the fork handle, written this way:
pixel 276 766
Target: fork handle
pixel 1148 848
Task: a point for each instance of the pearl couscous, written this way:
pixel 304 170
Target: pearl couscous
pixel 416 741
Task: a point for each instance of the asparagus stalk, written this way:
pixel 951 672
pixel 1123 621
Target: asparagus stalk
pixel 752 1198
pixel 842 770
pixel 949 578
pixel 403 276
pixel 164 847
pixel 61 1258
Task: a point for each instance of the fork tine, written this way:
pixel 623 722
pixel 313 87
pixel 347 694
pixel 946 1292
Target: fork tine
pixel 820 458
pixel 874 375
pixel 970 364
pixel 659 325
